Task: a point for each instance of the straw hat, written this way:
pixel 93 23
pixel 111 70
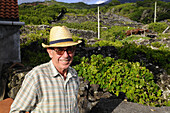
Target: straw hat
pixel 60 36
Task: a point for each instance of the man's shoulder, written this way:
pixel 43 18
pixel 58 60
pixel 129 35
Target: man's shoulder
pixel 40 69
pixel 72 71
pixel 42 66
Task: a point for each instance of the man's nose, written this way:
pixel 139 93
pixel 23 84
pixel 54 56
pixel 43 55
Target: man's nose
pixel 65 53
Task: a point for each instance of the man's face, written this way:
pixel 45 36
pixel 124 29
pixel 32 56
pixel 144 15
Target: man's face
pixel 61 57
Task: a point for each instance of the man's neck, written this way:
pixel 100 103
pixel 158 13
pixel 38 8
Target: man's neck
pixel 63 73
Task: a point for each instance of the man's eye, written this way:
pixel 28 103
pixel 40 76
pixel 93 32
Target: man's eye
pixel 69 49
pixel 60 49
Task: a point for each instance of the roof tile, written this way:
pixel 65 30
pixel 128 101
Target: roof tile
pixel 9 10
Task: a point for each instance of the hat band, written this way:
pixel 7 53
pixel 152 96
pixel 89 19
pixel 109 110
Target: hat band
pixel 62 40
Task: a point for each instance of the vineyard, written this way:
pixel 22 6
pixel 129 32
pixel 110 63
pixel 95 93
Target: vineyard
pixel 124 69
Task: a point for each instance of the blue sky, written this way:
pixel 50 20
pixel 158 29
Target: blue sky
pixel 67 1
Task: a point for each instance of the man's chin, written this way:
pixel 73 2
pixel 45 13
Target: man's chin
pixel 65 66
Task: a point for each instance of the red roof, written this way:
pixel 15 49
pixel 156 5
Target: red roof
pixel 9 10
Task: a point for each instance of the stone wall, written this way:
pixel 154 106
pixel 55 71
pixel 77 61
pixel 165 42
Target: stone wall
pixel 84 33
pixel 108 19
pixel 81 33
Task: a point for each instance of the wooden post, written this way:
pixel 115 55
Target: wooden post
pixel 98 24
pixel 155 13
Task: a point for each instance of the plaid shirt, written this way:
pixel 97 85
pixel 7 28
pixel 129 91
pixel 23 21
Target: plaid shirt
pixel 44 90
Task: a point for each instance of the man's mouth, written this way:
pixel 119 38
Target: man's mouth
pixel 64 60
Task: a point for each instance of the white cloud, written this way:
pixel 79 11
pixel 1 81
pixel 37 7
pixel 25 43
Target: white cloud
pixel 100 1
pixel 93 1
pixel 26 1
pixel 69 1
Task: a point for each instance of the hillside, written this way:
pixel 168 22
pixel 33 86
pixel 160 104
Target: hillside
pixel 130 1
pixel 47 12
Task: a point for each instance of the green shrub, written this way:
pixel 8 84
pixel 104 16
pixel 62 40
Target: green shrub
pixel 34 58
pixel 39 14
pixel 165 35
pixel 32 52
pixel 131 52
pixel 133 37
pixel 156 44
pixel 121 76
pixel 158 27
pixel 115 32
pixel 106 43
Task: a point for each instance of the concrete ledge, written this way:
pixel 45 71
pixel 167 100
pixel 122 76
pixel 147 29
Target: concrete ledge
pixel 12 23
pixel 129 107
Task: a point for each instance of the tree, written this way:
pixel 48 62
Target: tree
pixel 114 2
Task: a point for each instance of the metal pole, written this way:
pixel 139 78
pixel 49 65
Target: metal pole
pixel 98 24
pixel 155 13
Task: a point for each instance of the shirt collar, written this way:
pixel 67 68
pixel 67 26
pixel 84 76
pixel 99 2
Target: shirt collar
pixel 54 71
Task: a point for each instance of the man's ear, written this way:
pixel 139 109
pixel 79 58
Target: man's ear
pixel 50 52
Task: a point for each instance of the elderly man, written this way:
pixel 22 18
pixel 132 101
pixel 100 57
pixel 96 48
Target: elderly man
pixel 51 87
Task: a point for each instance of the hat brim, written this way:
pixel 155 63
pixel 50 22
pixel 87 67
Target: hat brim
pixel 63 44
